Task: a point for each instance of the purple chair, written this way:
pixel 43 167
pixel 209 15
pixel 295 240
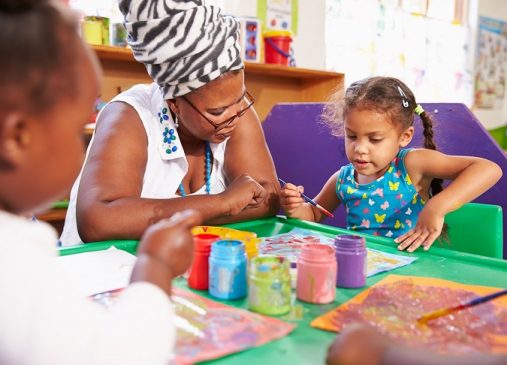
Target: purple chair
pixel 306 154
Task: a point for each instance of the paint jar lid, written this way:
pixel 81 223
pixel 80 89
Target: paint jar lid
pixel 349 241
pixel 228 249
pixel 203 241
pixel 318 253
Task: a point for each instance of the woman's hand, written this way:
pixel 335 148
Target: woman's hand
pixel 427 230
pixel 291 199
pixel 243 193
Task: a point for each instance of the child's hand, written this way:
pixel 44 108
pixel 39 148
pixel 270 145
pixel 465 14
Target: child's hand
pixel 357 345
pixel 244 192
pixel 427 230
pixel 170 241
pixel 290 198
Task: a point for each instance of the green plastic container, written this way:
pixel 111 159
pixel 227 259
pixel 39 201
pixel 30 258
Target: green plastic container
pixel 269 285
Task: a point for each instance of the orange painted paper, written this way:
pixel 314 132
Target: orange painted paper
pixel 328 321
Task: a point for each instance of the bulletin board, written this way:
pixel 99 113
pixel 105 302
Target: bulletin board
pixel 491 64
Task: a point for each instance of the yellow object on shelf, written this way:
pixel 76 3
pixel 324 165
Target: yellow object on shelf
pixel 250 239
pixel 95 30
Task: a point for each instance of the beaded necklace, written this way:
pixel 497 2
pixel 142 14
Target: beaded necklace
pixel 207 170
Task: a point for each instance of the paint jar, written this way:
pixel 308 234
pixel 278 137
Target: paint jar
pixel 227 270
pixel 95 30
pixel 118 35
pixel 351 259
pixel 316 274
pixel 198 277
pixel 269 285
pixel 251 248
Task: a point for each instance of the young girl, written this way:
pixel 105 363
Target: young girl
pixel 388 190
pixel 48 83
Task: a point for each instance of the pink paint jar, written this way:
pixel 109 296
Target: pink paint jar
pixel 316 275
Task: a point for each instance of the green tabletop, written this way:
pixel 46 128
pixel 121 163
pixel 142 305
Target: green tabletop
pixel 306 345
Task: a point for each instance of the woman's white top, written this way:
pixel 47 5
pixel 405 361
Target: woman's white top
pixel 166 165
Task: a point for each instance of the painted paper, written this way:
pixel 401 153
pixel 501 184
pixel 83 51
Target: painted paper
pixel 394 304
pixel 208 330
pixel 289 245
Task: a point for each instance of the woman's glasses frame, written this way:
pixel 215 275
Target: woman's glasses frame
pixel 250 100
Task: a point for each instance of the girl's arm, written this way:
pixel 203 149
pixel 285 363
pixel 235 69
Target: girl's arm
pixel 247 154
pixel 471 177
pixel 295 206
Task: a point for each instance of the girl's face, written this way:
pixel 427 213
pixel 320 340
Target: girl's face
pixel 209 113
pixel 57 149
pixel 372 141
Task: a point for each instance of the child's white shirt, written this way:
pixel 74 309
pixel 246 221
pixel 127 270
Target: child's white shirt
pixel 44 320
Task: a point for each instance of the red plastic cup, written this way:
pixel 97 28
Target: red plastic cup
pixel 198 277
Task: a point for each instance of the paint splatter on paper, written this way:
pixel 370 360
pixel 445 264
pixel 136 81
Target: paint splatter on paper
pixel 289 246
pixel 208 330
pixel 394 304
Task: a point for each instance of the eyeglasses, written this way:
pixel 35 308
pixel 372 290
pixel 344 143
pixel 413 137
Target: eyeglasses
pixel 218 126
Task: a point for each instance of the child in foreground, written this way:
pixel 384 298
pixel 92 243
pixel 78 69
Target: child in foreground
pixel 387 189
pixel 363 345
pixel 48 83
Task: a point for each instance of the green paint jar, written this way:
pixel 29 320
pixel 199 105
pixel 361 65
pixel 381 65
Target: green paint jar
pixel 269 285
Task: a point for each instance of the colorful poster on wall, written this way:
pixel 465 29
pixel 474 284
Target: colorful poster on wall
pixel 278 14
pixel 491 64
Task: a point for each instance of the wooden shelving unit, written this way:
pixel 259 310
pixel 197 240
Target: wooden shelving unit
pixel 269 84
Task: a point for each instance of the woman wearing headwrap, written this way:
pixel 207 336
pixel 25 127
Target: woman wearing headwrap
pixel 190 140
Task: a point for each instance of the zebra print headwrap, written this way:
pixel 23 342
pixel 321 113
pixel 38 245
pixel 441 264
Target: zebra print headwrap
pixel 184 44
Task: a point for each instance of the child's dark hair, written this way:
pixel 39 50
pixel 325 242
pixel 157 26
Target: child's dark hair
pixel 38 49
pixel 386 95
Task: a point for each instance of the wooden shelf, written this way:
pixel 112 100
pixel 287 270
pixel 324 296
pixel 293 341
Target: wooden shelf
pixel 269 84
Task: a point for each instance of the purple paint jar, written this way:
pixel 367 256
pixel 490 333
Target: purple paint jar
pixel 351 259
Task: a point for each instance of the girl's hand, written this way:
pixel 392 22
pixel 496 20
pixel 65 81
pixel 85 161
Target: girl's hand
pixel 170 241
pixel 244 192
pixel 291 199
pixel 427 230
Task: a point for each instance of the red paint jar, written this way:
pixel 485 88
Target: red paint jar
pixel 199 275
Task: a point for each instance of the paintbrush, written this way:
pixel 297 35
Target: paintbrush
pixel 307 199
pixel 445 311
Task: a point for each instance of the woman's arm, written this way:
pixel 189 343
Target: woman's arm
pixel 109 204
pixel 247 153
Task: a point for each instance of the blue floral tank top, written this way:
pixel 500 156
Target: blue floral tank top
pixel 388 206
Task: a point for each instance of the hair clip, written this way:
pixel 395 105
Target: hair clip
pixel 418 109
pixel 404 98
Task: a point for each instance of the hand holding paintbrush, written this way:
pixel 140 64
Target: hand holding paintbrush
pixel 445 311
pixel 310 201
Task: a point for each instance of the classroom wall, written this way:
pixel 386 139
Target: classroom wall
pixel 309 44
pixel 497 9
